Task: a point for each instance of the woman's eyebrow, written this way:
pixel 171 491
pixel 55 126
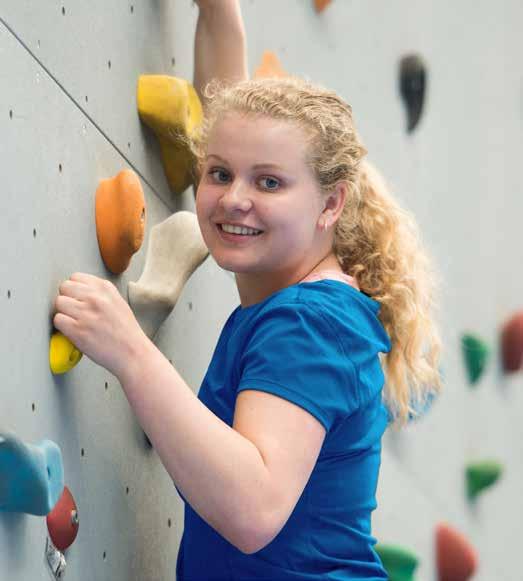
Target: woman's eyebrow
pixel 216 156
pixel 268 166
pixel 256 166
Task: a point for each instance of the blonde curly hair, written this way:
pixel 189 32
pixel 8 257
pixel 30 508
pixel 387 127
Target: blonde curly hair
pixel 375 241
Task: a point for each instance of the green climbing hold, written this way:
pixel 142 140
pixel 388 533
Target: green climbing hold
pixel 481 475
pixel 399 563
pixel 476 353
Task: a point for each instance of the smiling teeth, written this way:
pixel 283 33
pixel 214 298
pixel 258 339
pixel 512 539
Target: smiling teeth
pixel 240 230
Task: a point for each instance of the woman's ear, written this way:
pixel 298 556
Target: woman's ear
pixel 335 202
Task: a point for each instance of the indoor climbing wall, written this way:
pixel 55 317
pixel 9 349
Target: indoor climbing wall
pixel 447 135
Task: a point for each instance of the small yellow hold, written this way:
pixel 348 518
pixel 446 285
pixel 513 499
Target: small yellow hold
pixel 63 355
pixel 171 108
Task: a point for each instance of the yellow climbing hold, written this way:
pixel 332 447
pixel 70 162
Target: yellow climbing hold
pixel 63 355
pixel 171 108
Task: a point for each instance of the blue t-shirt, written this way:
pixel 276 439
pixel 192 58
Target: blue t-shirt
pixel 315 344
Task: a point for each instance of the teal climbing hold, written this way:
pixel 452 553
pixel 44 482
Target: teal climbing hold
pixel 481 475
pixel 476 353
pixel 31 476
pixel 400 563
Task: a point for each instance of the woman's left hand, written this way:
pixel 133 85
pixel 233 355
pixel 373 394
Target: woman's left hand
pixel 92 314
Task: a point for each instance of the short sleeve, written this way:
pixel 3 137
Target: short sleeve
pixel 295 354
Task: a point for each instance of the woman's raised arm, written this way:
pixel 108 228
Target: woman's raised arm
pixel 220 47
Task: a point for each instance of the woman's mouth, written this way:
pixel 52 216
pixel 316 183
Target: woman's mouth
pixel 233 237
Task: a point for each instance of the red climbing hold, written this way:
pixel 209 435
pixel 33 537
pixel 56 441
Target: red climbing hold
pixel 62 521
pixel 512 343
pixel 456 558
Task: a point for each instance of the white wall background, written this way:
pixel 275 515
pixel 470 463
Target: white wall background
pixel 62 104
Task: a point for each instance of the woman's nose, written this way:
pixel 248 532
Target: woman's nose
pixel 237 195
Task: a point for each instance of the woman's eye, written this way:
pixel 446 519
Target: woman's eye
pixel 219 175
pixel 270 183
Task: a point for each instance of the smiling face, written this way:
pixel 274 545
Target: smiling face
pixel 255 174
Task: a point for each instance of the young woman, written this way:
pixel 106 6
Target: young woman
pixel 277 458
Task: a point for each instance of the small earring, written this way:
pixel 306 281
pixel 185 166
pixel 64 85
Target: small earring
pixel 325 226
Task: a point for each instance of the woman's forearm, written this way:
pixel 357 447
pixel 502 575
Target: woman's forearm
pixel 220 47
pixel 219 472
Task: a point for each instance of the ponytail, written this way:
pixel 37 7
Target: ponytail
pixel 378 243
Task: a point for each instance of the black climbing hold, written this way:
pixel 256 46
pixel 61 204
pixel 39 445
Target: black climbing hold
pixel 413 79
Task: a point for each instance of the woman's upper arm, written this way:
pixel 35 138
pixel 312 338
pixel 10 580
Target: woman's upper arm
pixel 289 440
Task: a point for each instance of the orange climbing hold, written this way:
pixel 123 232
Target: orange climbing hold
pixel 63 521
pixel 512 343
pixel 456 558
pixel 120 219
pixel 269 67
pixel 320 5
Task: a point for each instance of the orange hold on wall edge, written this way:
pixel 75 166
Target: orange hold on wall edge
pixel 269 67
pixel 120 219
pixel 320 5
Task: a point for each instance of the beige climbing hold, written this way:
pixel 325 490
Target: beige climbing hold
pixel 269 67
pixel 176 249
pixel 171 108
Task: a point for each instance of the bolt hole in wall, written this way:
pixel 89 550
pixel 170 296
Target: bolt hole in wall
pixel 63 10
pixel 109 64
pixel 10 113
pixel 60 167
pixel 132 8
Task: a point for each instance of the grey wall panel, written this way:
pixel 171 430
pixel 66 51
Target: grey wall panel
pixel 76 41
pixel 403 510
pixel 84 409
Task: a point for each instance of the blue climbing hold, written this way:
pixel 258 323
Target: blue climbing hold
pixel 421 408
pixel 31 476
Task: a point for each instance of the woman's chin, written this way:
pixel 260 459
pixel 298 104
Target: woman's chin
pixel 236 266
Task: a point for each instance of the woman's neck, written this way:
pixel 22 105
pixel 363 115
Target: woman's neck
pixel 255 287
